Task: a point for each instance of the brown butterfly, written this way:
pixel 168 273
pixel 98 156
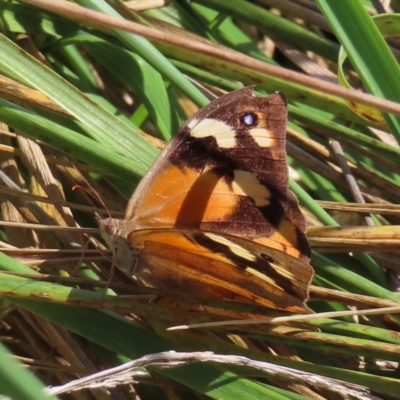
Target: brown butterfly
pixel 214 216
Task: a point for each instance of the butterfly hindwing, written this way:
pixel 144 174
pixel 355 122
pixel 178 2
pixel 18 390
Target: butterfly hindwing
pixel 221 266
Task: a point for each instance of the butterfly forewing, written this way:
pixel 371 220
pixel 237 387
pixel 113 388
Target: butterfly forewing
pixel 226 171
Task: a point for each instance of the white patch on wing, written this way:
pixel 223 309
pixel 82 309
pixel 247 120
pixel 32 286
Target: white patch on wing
pixel 233 247
pixel 264 277
pixel 223 133
pixel 245 183
pixel 263 137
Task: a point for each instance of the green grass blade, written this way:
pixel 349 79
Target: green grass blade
pixel 368 51
pixel 348 279
pixel 340 132
pixel 136 74
pixel 99 124
pixel 71 142
pixel 17 382
pixel 274 25
pixel 150 54
pixel 324 217
pixel 19 17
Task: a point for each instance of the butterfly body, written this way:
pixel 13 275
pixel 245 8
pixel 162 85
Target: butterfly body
pixel 214 216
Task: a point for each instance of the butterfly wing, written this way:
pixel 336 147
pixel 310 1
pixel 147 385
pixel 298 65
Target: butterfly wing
pixel 221 266
pixel 225 171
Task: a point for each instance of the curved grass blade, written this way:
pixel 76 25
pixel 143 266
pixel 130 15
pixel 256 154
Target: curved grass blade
pixel 150 54
pixel 79 146
pixel 368 51
pixel 135 73
pixel 18 382
pixel 99 124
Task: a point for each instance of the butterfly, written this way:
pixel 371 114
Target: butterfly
pixel 213 216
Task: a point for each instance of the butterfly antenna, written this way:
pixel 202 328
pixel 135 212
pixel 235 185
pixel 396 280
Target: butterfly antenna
pixel 94 195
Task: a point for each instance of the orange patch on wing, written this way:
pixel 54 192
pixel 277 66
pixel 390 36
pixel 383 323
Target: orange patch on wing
pixel 185 198
pixel 284 239
pixel 174 239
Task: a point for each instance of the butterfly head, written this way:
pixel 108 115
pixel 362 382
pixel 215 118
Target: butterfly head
pixel 109 230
